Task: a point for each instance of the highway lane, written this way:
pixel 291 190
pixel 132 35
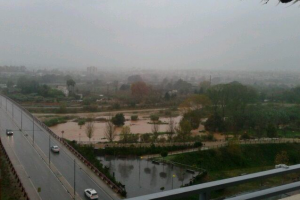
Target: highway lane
pixel 62 161
pixel 40 174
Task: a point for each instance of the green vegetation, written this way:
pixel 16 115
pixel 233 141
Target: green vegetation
pixel 89 153
pixel 154 117
pixel 9 186
pixel 134 117
pixel 118 119
pixel 81 121
pixel 236 159
pixel 239 156
pixel 137 150
pixel 57 120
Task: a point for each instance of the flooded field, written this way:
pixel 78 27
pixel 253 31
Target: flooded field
pixel 141 176
pixel 73 131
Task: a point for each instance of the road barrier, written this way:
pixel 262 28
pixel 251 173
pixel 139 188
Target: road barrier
pixel 20 184
pixel 109 182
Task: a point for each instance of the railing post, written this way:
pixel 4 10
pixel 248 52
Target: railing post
pixel 204 196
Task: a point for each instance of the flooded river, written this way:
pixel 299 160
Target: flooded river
pixel 143 177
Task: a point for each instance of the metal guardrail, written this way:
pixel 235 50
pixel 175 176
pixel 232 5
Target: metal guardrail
pixel 20 184
pixel 76 153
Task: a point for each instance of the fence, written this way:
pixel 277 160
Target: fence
pixel 20 185
pixel 76 153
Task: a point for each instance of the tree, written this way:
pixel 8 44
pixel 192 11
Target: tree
pixel 171 128
pixel 118 119
pixel 155 127
pixel 231 98
pixel 271 131
pixel 124 135
pixel 198 144
pixel 184 130
pixel 282 158
pixel 195 102
pixel 214 123
pixel 110 131
pixel 140 89
pixel 194 117
pixel 204 86
pixel 89 129
pixel 164 154
pixel 81 122
pixel 10 84
pixel 71 83
pixel 146 138
pixel 167 96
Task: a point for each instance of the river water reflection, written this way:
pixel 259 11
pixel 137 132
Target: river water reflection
pixel 143 177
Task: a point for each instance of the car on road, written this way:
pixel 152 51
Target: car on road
pixel 55 149
pixel 91 194
pixel 9 132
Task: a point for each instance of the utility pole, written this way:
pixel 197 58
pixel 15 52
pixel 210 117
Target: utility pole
pixel 12 110
pixel 33 128
pixel 49 149
pixel 21 119
pixel 6 103
pixel 74 178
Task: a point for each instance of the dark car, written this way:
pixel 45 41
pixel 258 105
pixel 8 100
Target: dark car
pixel 9 132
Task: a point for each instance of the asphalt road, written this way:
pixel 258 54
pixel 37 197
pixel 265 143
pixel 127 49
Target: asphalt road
pixel 38 169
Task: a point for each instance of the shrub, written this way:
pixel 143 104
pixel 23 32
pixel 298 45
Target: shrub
pixel 198 144
pixel 154 117
pixel 81 122
pixel 118 119
pixel 134 117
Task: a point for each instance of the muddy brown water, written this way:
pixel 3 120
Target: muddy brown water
pixel 73 131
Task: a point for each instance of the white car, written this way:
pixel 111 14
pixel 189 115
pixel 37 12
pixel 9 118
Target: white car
pixel 91 193
pixel 55 149
pixel 281 166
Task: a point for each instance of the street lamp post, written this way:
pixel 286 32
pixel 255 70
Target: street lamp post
pixel 33 128
pixel 49 149
pixel 172 180
pixel 74 178
pixel 21 120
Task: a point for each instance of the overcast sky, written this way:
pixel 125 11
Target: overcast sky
pixel 206 34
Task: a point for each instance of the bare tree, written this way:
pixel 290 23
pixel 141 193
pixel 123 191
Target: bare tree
pixel 89 129
pixel 125 134
pixel 155 129
pixel 171 128
pixel 110 132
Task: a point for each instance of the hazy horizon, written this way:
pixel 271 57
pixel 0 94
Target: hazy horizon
pixel 165 34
